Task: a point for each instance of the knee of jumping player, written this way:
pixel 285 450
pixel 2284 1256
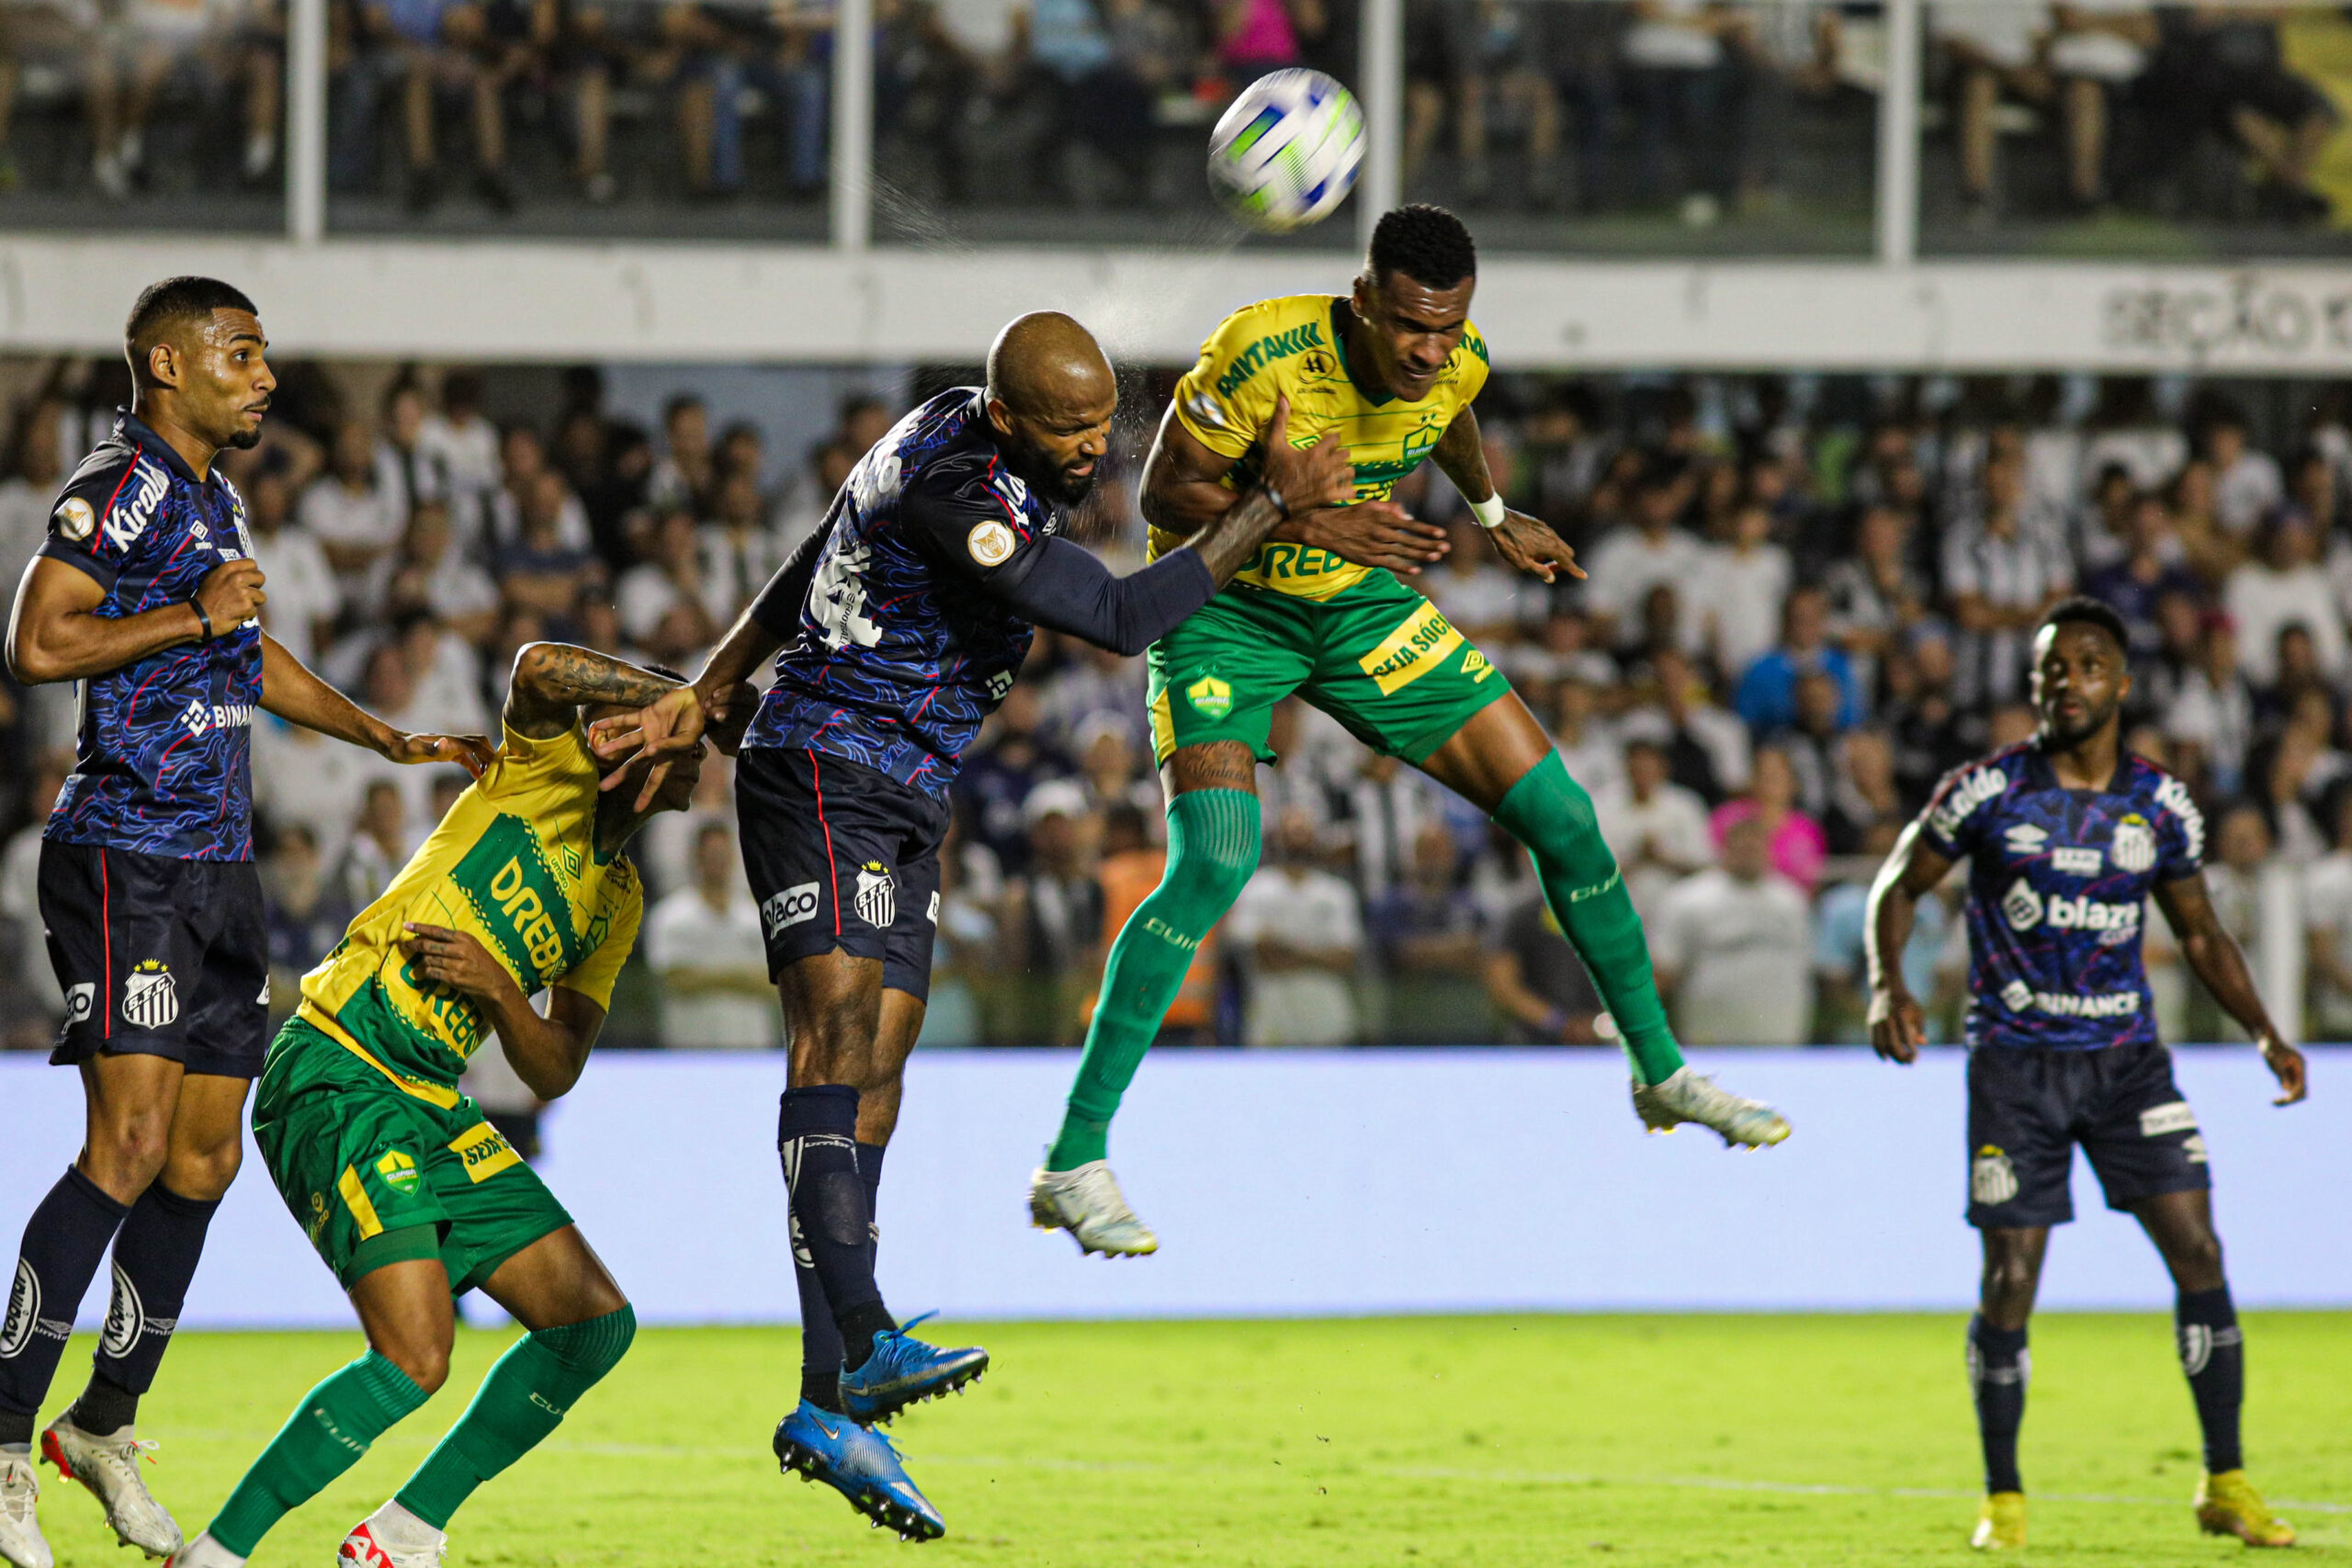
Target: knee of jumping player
pixel 2195 1260
pixel 423 1354
pixel 1209 869
pixel 1553 815
pixel 127 1150
pixel 203 1172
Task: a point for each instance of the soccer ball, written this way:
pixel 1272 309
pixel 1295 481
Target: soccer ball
pixel 1285 154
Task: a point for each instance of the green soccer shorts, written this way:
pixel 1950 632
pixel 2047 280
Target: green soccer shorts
pixel 1378 657
pixel 364 1166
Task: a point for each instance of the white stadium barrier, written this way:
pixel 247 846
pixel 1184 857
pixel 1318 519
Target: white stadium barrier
pixel 1286 1184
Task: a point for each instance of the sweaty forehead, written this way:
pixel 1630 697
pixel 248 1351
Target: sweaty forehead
pixel 1441 308
pixel 2077 637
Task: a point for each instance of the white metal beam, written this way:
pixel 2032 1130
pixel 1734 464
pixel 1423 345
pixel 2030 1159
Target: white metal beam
pixel 1898 135
pixel 852 192
pixel 1380 183
pixel 305 148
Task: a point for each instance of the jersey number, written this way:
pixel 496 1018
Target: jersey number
pixel 837 598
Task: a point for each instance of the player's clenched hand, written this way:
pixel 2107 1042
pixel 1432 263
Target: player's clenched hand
pixel 1529 544
pixel 231 594
pixel 455 959
pixel 1898 1026
pixel 2286 1065
pixel 1373 532
pixel 1320 475
pixel 471 752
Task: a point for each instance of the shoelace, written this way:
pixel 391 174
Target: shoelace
pixel 18 1487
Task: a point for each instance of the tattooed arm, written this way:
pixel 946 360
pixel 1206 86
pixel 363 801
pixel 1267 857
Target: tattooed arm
pixel 553 679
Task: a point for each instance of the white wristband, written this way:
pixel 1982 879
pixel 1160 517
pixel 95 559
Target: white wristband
pixel 1489 512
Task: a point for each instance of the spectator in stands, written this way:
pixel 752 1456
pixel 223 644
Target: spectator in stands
pixel 2100 530
pixel 2002 570
pixel 378 846
pixel 1740 588
pixel 1587 742
pixel 999 776
pixel 2284 586
pixel 465 451
pixel 2223 69
pixel 1299 933
pixel 1875 594
pixel 2098 50
pixel 1787 49
pixel 429 574
pixel 704 941
pixel 2149 570
pixel 1682 79
pixel 1810 743
pixel 1994 51
pixel 2327 930
pixel 1500 52
pixel 2210 722
pixel 458 48
pixel 26 973
pixel 1095 98
pixel 1428 924
pixel 663 600
pixel 1631 560
pixel 1840 965
pixel 1654 828
pixel 2247 485
pixel 729 50
pixel 35 461
pixel 541 571
pixel 1734 945
pixel 1053 912
pixel 306 914
pixel 1707 747
pixel 739 551
pixel 598 43
pixel 1767 692
pixel 354 519
pixel 1254 37
pixel 685 473
pixel 1793 839
pixel 1539 985
pixel 133 51
pixel 1864 795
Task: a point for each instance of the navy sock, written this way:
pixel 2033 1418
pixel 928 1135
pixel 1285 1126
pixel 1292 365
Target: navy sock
pixel 65 1242
pixel 817 1137
pixel 1998 1369
pixel 154 1259
pixel 2212 1352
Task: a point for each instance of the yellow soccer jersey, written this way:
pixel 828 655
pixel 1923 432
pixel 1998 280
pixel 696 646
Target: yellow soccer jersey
pixel 515 864
pixel 1293 347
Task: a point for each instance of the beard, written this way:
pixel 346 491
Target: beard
pixel 246 440
pixel 2064 735
pixel 1043 473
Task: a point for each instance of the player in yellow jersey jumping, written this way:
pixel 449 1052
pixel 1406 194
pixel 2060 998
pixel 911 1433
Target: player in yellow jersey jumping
pixel 408 1193
pixel 1392 368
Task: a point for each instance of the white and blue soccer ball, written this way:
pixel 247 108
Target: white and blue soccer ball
pixel 1285 153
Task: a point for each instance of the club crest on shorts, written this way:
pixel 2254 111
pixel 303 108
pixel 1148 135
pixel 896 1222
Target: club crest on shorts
pixel 126 1317
pixel 878 896
pixel 151 997
pixel 1211 696
pixel 2134 846
pixel 398 1172
pixel 1991 1177
pixel 24 1311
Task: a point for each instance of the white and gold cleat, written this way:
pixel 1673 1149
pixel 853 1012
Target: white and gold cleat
pixel 108 1465
pixel 21 1545
pixel 1687 1097
pixel 1086 1203
pixel 2000 1524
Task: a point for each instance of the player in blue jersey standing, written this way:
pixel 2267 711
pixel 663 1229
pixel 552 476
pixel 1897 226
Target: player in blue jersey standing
pixel 145 591
pixel 901 625
pixel 2066 836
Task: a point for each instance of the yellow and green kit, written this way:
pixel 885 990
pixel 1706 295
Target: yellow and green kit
pixel 358 1114
pixel 1352 640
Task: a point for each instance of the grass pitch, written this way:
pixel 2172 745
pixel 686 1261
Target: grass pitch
pixel 1494 1440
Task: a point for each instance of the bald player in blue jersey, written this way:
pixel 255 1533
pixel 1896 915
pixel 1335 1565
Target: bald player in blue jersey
pixel 2065 838
pixel 895 630
pixel 146 594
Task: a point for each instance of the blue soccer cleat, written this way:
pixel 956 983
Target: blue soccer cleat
pixel 904 1370
pixel 859 1463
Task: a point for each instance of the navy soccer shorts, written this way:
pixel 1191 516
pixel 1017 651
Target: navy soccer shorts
pixel 840 858
pixel 2027 1108
pixel 157 958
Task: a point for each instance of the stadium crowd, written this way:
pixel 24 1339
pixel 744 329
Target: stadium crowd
pixel 1602 106
pixel 1808 599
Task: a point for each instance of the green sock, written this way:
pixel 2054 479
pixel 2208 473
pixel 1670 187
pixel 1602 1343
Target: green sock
pixel 523 1399
pixel 1551 814
pixel 325 1435
pixel 1212 849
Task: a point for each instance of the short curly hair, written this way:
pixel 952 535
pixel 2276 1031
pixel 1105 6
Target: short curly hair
pixel 2081 608
pixel 1425 243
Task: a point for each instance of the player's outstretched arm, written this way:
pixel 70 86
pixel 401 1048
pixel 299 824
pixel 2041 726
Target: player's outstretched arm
pixel 1182 492
pixel 1898 1023
pixel 553 680
pixel 296 695
pixel 2214 955
pixel 56 634
pixel 547 1052
pixel 1527 543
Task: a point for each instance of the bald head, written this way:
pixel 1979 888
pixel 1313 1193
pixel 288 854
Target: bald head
pixel 1051 395
pixel 1046 359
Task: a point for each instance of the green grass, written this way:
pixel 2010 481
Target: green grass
pixel 1492 1441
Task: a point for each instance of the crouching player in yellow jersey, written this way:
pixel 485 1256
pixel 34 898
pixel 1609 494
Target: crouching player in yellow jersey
pixel 406 1191
pixel 1392 370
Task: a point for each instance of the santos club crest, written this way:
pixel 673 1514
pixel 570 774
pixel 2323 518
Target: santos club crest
pixel 878 898
pixel 151 997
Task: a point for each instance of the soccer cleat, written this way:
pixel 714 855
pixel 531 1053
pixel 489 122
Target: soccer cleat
pixel 109 1466
pixel 21 1545
pixel 1087 1202
pixel 1687 1097
pixel 859 1463
pixel 2000 1524
pixel 363 1547
pixel 2227 1504
pixel 903 1370
pixel 204 1553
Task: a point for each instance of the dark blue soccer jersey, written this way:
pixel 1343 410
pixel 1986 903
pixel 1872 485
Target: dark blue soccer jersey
pixel 162 761
pixel 903 650
pixel 2058 883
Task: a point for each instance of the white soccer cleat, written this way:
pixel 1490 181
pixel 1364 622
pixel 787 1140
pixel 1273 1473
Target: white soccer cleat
pixel 1687 1097
pixel 204 1553
pixel 109 1466
pixel 391 1537
pixel 21 1545
pixel 1086 1202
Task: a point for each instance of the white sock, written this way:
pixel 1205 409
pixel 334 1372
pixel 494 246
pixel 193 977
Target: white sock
pixel 205 1553
pixel 401 1530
